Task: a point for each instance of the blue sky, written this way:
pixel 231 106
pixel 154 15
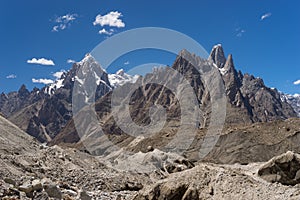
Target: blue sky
pixel 263 36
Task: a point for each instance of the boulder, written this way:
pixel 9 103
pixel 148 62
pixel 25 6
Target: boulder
pixel 26 187
pixel 10 181
pixel 84 196
pixel 41 196
pixel 37 185
pixel 53 191
pixel 284 169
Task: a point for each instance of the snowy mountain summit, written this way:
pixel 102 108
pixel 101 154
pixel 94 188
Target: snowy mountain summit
pixel 85 71
pixel 120 78
pixel 293 100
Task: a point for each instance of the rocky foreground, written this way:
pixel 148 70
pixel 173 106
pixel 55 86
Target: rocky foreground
pixel 30 170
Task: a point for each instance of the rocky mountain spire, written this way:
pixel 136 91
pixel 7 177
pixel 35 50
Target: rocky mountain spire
pixel 229 66
pixel 217 56
pixel 232 81
pixel 23 92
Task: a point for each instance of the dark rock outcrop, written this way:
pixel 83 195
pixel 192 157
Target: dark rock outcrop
pixel 13 102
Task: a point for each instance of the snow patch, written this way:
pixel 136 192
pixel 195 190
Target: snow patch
pixel 223 71
pixel 50 89
pixel 120 78
pixel 293 100
pixel 217 46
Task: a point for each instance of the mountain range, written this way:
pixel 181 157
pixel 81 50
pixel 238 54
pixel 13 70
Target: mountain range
pixel 43 112
pixel 46 113
pixel 95 135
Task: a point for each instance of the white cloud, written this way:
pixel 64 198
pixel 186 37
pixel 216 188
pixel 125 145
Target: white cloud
pixel 62 22
pixel 265 16
pixel 55 28
pixel 297 82
pixel 58 75
pixel 41 61
pixel 71 61
pixel 11 76
pixel 111 19
pixel 239 32
pixel 42 80
pixel 66 18
pixel 126 63
pixel 59 27
pixel 104 31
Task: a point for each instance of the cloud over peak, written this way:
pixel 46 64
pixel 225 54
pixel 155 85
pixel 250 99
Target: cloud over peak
pixel 58 74
pixel 42 81
pixel 111 19
pixel 41 61
pixel 70 61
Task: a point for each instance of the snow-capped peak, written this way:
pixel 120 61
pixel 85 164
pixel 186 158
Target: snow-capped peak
pixel 89 63
pixel 120 78
pixel 293 100
pixel 50 89
pixel 121 72
pixel 217 46
pixel 89 69
pixel 86 58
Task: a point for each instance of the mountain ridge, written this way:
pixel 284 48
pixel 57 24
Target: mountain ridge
pixel 45 112
pixel 248 101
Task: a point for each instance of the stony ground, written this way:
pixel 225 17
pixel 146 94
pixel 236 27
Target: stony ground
pixel 209 181
pixel 30 170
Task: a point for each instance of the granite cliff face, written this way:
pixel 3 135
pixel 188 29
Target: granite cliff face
pixel 250 94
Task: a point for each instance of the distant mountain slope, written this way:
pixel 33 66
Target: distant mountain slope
pixel 12 137
pixel 257 142
pixel 15 101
